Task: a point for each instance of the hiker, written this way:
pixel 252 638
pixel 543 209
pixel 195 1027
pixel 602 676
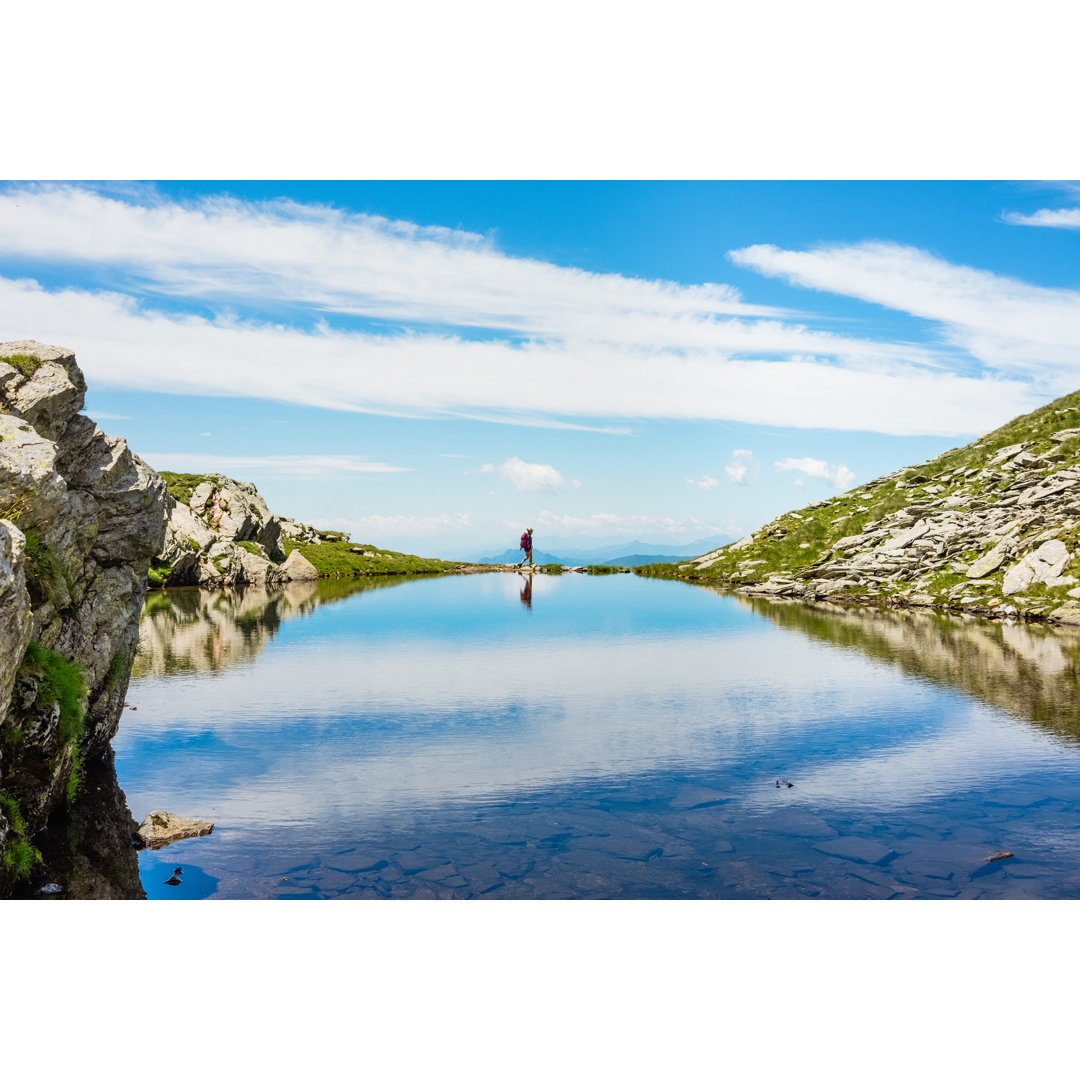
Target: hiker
pixel 526 546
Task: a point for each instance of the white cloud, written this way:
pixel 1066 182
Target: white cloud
pixel 739 470
pixel 120 344
pixel 705 482
pixel 94 415
pixel 1054 219
pixel 629 348
pixel 840 476
pixel 337 261
pixel 1017 330
pixel 523 475
pixel 304 465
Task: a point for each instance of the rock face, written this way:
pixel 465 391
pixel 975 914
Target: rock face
pixel 990 528
pixel 220 532
pixel 80 518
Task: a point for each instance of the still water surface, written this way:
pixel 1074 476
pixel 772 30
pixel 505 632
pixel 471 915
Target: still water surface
pixel 589 737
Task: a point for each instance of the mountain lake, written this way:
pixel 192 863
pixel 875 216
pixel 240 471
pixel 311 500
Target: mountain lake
pixel 499 737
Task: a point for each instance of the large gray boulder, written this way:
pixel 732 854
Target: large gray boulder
pixel 49 397
pixel 1046 562
pixel 298 568
pixel 235 510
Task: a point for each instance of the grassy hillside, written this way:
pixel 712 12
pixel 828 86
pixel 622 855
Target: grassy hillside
pixel 336 558
pixel 970 487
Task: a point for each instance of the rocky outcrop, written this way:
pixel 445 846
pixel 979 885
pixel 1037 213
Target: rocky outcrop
pixel 161 827
pixel 80 518
pixel 991 528
pixel 220 532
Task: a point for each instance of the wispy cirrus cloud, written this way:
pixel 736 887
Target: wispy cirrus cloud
pixel 1017 330
pixel 455 328
pixel 839 476
pixel 1066 218
pixel 333 260
pixel 302 465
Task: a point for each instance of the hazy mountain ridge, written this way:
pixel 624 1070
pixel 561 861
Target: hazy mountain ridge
pixel 610 554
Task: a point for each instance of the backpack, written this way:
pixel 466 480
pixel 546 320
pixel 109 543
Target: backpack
pixel 526 542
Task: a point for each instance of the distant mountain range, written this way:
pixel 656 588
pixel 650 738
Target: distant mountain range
pixel 631 553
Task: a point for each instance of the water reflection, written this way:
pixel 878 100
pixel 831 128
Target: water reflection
pixel 88 848
pixel 1029 670
pixel 196 630
pixel 403 743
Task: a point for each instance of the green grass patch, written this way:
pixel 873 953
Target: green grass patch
pixel 45 576
pixel 59 682
pixel 181 485
pixel 598 569
pixel 19 855
pixel 158 574
pixel 11 811
pixel 553 568
pixel 252 548
pixel 23 363
pixel 14 510
pixel 660 570
pixel 335 559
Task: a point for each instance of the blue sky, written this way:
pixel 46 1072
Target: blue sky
pixel 436 365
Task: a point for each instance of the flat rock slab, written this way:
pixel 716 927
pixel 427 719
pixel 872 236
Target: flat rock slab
pixel 856 848
pixel 160 828
pixel 691 798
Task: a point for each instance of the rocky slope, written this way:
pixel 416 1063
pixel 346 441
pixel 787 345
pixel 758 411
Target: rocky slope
pixel 221 532
pixel 80 518
pixel 991 528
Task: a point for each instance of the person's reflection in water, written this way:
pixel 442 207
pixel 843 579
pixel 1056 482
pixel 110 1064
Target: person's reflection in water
pixel 526 592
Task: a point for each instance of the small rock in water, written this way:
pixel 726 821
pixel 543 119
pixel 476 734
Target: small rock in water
pixel 175 879
pixel 999 855
pixel 160 827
